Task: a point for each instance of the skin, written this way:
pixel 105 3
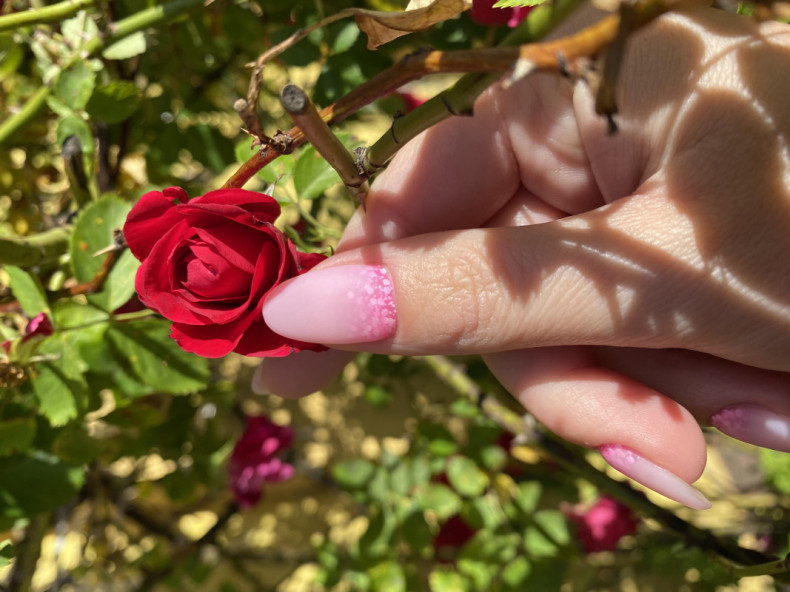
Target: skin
pixel 624 288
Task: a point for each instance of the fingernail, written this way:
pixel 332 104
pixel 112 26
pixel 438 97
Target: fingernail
pixel 641 470
pixel 755 425
pixel 338 305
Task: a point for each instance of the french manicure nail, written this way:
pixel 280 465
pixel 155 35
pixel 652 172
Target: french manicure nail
pixel 337 305
pixel 755 425
pixel 660 480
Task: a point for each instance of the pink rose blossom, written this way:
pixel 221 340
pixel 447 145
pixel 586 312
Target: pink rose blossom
pixel 38 325
pixel 602 525
pixel 254 460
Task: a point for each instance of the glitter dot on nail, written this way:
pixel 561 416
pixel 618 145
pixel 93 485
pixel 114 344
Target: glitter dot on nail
pixel 375 305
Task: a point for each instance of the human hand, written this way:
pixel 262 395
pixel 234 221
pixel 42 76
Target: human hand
pixel 624 288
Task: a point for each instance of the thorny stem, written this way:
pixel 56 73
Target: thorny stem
pixel 45 14
pixel 315 130
pixel 559 452
pixel 459 100
pixel 34 250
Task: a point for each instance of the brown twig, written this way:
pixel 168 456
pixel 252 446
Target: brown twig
pixel 315 130
pixel 550 55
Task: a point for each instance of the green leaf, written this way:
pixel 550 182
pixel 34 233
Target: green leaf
pixel 78 30
pixel 464 408
pixel 439 499
pixel 484 512
pixel 548 535
pixel 515 573
pixel 313 175
pixel 75 84
pixel 444 580
pixel 93 231
pixel 27 290
pixel 16 435
pixel 528 496
pixel 128 47
pixel 389 576
pixel 353 473
pixel 155 359
pixel 37 483
pixel 377 540
pixel 465 476
pixel 378 396
pixel 493 458
pixel 114 102
pixel 74 446
pixel 7 552
pixel 417 532
pixel 72 125
pixel 777 468
pixel 59 385
pixel 440 440
pixel 11 55
pixel 346 37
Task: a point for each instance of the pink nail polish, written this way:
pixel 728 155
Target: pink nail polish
pixel 334 306
pixel 660 480
pixel 755 425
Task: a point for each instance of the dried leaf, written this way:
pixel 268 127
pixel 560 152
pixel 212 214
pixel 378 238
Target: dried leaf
pixel 383 27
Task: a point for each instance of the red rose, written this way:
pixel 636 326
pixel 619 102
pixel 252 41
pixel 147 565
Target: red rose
pixel 601 526
pixel 484 13
pixel 207 265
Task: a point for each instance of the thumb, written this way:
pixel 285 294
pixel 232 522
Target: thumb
pixel 619 275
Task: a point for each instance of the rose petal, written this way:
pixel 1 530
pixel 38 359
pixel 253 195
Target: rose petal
pixel 237 243
pixel 211 276
pixel 260 206
pixel 151 217
pixel 259 341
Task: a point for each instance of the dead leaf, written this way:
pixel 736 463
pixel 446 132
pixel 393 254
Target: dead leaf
pixel 383 27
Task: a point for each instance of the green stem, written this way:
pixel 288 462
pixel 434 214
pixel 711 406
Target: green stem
pixel 34 250
pixel 28 554
pixel 460 98
pixel 25 115
pixel 128 26
pixel 45 14
pixel 140 21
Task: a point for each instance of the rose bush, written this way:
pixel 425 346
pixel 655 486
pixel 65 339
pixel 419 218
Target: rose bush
pixel 207 265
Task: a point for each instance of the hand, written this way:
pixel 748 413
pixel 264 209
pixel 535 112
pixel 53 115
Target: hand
pixel 625 288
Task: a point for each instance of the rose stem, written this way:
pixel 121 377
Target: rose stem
pixel 539 23
pixel 307 118
pixel 44 14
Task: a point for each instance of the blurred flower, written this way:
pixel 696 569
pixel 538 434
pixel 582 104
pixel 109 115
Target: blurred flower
pixel 453 534
pixel 254 459
pixel 39 325
pixel 602 525
pixel 410 101
pixel 484 13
